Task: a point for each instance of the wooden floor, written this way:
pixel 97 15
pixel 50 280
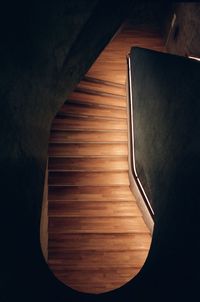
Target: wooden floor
pixel 97 237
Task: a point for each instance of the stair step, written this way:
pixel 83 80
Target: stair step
pixel 102 87
pixel 95 280
pixel 97 225
pixel 102 81
pixel 97 242
pixel 93 208
pixel 90 193
pixel 87 136
pixel 88 178
pixel 101 242
pixel 88 149
pixel 84 164
pixel 96 92
pixel 94 259
pixel 109 72
pixel 75 109
pixel 87 123
pixel 98 99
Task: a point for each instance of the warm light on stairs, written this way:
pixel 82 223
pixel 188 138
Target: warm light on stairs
pixel 97 237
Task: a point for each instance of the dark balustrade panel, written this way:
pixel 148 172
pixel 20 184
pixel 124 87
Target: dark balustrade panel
pixel 166 118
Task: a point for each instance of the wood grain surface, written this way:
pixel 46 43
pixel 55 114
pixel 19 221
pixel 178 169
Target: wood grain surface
pixel 98 240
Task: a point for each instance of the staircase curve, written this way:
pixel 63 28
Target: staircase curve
pixel 98 240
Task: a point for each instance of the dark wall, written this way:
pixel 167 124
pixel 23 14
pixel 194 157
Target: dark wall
pixel 166 109
pixel 184 35
pixel 46 47
pixel 166 102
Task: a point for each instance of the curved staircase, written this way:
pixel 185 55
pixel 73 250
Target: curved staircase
pixel 101 231
pixel 97 237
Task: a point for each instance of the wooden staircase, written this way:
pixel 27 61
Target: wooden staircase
pixel 95 227
pixel 97 237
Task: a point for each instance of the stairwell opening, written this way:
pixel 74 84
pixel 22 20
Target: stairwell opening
pixel 97 238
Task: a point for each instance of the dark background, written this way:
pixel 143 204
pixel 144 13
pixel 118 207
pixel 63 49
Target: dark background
pixel 45 49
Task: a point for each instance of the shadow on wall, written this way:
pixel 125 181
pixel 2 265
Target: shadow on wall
pixel 44 52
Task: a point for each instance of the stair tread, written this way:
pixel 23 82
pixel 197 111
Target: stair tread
pixel 93 193
pixel 102 87
pixel 88 279
pixel 92 164
pixel 93 208
pixel 92 91
pixel 102 242
pixel 97 225
pixel 88 259
pixel 97 99
pixel 92 79
pixel 88 178
pixel 88 136
pixel 90 111
pixel 87 123
pixel 85 149
pixel 98 240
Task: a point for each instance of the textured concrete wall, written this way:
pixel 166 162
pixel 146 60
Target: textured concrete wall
pixel 166 110
pixel 46 47
pixel 35 40
pixel 184 38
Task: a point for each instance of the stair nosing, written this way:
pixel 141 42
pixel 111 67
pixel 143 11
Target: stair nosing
pixel 87 171
pixel 104 82
pixel 90 130
pixel 86 156
pixel 91 117
pixel 86 142
pixel 128 186
pixel 112 216
pixel 87 129
pixel 93 104
pixel 93 200
pixel 90 104
pixel 94 143
pixel 70 185
pixel 101 93
pixel 122 157
pixel 102 233
pixel 98 217
pixel 92 172
pixel 85 117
